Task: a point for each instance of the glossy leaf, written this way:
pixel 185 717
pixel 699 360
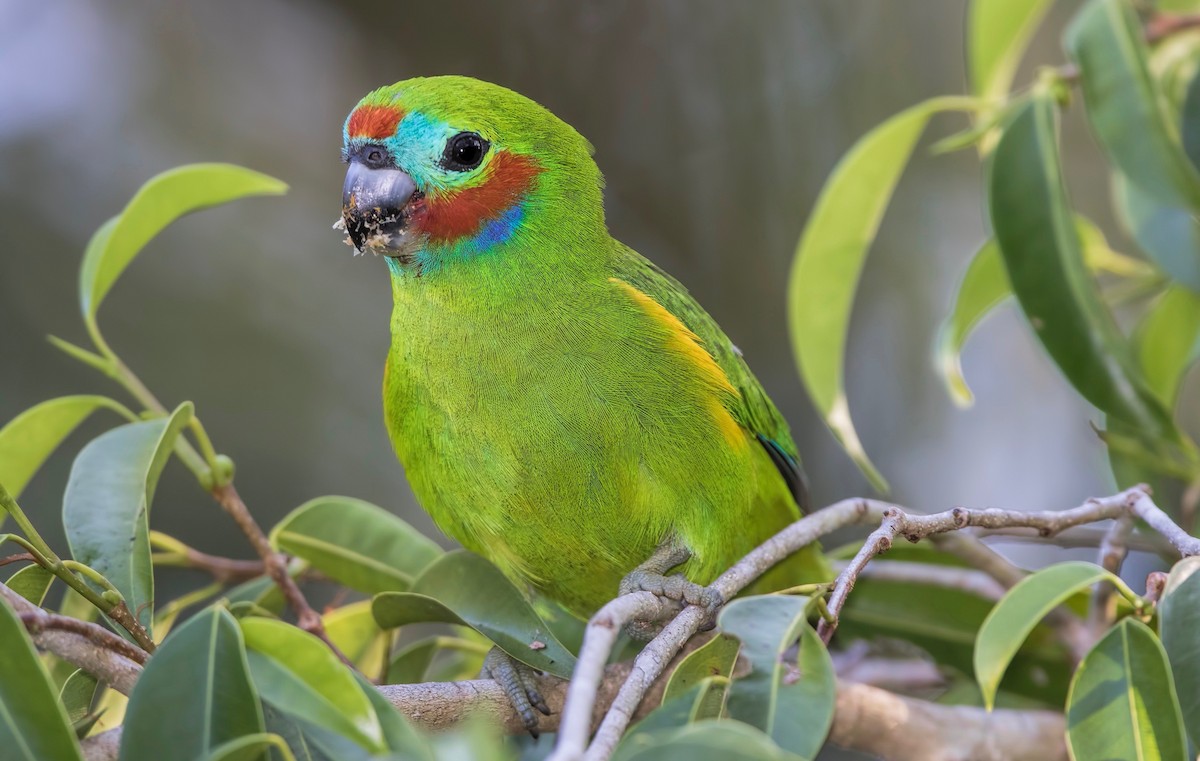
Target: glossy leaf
pixel 410 663
pixel 1122 701
pixel 194 695
pixel 1123 103
pixel 31 437
pixel 1190 118
pixel 710 740
pixel 77 694
pixel 353 629
pixel 1167 342
pixel 1179 620
pixel 463 588
pixel 791 701
pixel 1019 611
pixel 158 203
pixel 985 286
pixel 944 622
pixel 714 658
pixel 830 257
pixel 998 31
pixel 702 701
pixel 247 747
pixel 107 504
pixel 33 724
pixel 356 543
pixel 1168 233
pixel 1043 257
pixel 299 675
pixel 31 582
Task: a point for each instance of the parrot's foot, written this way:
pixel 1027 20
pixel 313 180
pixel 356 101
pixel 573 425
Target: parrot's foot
pixel 651 577
pixel 520 685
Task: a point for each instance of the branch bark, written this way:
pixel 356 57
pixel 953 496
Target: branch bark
pixel 87 646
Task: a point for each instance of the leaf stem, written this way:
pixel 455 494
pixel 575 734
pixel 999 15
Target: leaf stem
pixel 113 607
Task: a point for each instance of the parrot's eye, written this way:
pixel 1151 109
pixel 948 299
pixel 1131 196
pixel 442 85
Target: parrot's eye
pixel 464 152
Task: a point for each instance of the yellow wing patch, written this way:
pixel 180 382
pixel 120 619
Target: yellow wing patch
pixel 687 344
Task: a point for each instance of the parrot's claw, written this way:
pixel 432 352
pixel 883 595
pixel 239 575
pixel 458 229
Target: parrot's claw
pixel 519 682
pixel 672 588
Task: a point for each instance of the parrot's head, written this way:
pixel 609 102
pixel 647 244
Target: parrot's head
pixel 451 167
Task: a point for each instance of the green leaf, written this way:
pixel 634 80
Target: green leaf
pixel 194 695
pixel 1019 611
pixel 162 200
pixel 353 629
pixel 77 695
pixel 791 702
pixel 985 286
pixel 31 437
pixel 704 700
pixel 410 663
pixel 998 31
pixel 1122 701
pixel 107 504
pixel 714 658
pixel 1124 105
pixel 1167 342
pixel 31 582
pixel 1169 234
pixel 463 588
pixel 711 740
pixel 1190 118
pixel 1045 265
pixel 830 257
pixel 355 543
pixel 247 747
pixel 944 622
pixel 299 675
pixel 1179 620
pixel 33 724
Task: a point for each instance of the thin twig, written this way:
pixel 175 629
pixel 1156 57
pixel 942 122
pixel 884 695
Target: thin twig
pixel 1163 25
pixel 223 570
pixel 20 557
pixel 967 580
pixel 1114 548
pixel 654 657
pixel 87 646
pixel 275 564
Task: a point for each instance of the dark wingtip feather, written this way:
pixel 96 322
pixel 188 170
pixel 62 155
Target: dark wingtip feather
pixel 789 468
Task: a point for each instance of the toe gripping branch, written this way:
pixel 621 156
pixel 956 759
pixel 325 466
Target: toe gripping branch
pixel 651 577
pixel 519 682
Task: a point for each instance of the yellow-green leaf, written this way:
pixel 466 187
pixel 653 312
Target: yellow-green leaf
pixel 830 257
pixel 1122 702
pixel 29 438
pixel 998 31
pixel 162 200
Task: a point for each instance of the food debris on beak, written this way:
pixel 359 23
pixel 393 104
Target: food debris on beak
pixel 375 209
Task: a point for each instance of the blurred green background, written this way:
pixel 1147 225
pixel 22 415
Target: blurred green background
pixel 715 124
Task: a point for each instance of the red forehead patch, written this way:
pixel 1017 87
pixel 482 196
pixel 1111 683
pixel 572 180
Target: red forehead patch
pixel 374 122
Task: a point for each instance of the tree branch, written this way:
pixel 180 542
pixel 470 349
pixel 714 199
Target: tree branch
pixel 88 646
pixel 275 564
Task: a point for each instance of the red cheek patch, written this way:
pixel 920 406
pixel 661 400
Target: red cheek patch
pixel 374 122
pixel 465 212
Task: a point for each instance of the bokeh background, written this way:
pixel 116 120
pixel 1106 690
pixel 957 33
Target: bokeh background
pixel 715 123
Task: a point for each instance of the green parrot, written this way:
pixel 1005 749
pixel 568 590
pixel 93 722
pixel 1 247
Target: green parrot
pixel 561 405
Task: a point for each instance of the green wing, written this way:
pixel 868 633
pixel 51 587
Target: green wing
pixel 754 410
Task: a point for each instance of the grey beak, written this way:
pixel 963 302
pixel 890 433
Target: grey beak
pixel 374 203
